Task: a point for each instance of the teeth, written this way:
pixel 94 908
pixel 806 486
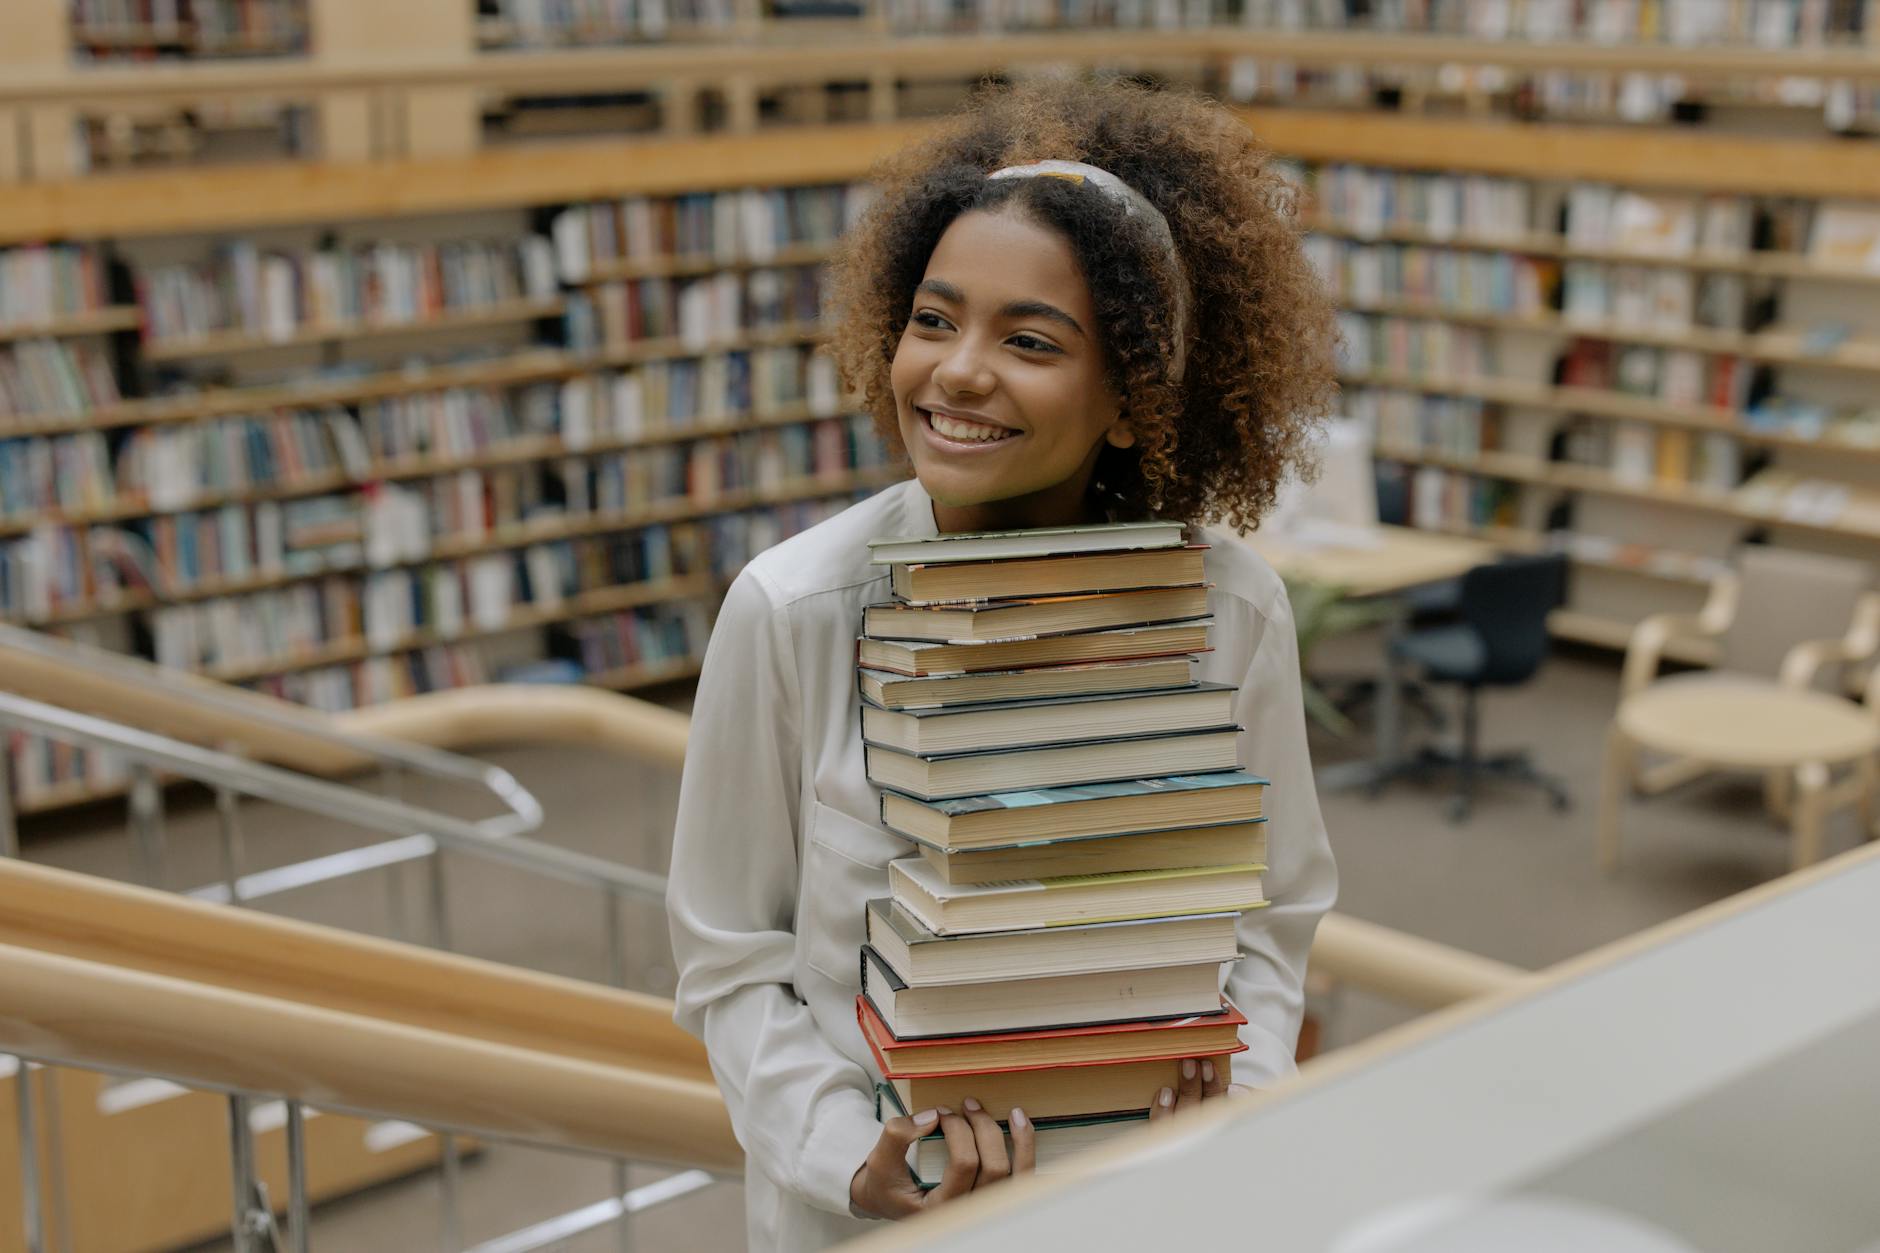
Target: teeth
pixel 972 432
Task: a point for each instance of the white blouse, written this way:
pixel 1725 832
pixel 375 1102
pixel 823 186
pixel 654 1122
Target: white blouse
pixel 778 845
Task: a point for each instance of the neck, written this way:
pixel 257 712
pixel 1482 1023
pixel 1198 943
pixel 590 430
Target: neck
pixel 1067 504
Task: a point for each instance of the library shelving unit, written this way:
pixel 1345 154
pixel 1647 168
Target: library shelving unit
pixel 410 390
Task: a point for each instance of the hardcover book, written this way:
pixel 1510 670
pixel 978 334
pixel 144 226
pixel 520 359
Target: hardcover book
pixel 1029 617
pixel 923 959
pixel 932 776
pixel 921 659
pixel 893 691
pixel 1037 542
pixel 1228 844
pixel 1100 996
pixel 972 581
pixel 1050 720
pixel 958 908
pixel 1192 1035
pixel 1007 819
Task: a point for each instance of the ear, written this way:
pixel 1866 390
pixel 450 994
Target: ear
pixel 1119 435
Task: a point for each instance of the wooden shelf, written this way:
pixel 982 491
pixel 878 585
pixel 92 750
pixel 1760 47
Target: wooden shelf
pixel 529 617
pixel 1596 402
pixel 224 343
pixel 533 365
pixel 513 452
pixel 1542 244
pixel 1725 503
pixel 648 674
pixel 1781 347
pixel 536 531
pixel 67 794
pixel 104 321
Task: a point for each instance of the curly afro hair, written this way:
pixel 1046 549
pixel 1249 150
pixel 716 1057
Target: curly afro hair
pixel 1260 369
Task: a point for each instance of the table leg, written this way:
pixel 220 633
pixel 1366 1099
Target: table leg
pixel 1614 780
pixel 1778 796
pixel 1387 735
pixel 1811 782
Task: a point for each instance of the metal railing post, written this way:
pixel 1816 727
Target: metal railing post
pixel 228 822
pixel 242 1185
pixel 450 1192
pixel 147 825
pixel 298 1234
pixel 32 1209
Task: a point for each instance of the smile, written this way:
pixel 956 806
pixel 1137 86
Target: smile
pixel 963 430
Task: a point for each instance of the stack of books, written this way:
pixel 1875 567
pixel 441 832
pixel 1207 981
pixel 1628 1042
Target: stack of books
pixel 1087 839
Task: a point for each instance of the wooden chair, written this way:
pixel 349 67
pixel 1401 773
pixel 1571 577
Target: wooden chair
pixel 1773 704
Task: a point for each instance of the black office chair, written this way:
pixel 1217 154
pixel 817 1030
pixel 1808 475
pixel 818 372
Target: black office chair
pixel 1500 640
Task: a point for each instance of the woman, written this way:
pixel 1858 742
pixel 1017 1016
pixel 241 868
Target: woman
pixel 1078 302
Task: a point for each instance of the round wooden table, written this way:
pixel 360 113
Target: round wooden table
pixel 1746 724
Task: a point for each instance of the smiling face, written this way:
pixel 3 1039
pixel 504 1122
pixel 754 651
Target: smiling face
pixel 999 381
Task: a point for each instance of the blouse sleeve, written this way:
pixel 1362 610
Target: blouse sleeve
pixel 1268 983
pixel 801 1109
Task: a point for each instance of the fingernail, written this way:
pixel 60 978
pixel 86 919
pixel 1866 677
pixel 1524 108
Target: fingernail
pixel 1188 1069
pixel 1019 1121
pixel 926 1118
pixel 972 1106
pixel 1166 1097
pixel 1207 1071
pixel 944 1111
pixel 1239 1090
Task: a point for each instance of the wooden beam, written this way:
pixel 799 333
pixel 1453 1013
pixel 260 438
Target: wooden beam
pixel 1665 156
pixel 175 201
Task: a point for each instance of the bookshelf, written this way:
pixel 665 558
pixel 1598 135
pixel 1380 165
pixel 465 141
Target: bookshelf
pixel 530 339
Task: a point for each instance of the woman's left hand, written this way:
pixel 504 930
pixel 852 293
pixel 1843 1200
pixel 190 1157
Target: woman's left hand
pixel 1202 1080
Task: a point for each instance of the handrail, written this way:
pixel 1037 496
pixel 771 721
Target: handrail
pixel 864 55
pixel 115 977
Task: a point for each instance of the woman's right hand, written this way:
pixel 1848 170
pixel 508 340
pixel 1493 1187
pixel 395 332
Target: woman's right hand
pixel 976 1156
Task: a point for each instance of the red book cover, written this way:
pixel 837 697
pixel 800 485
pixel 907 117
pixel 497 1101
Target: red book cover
pixel 1150 1039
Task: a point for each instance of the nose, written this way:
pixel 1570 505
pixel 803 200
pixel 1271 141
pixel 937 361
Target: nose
pixel 964 370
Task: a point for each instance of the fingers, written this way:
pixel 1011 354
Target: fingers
pixel 1214 1076
pixel 962 1158
pixel 1190 1095
pixel 1162 1105
pixel 994 1163
pixel 886 1187
pixel 1024 1144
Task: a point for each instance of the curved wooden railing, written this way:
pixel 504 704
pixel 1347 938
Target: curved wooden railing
pixel 109 976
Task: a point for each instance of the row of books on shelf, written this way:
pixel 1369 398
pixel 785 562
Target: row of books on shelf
pixel 1417 346
pixel 1637 454
pixel 932 17
pixel 1590 217
pixel 697 393
pixel 698 312
pixel 176 22
pixel 58 568
pixel 44 377
pixel 275 294
pixel 1079 835
pixel 600 646
pixel 1676 376
pixel 586 23
pixel 40 282
pixel 1759 23
pixel 174 466
pixel 1445 278
pixel 725 228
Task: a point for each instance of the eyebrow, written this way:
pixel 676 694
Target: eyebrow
pixel 1014 309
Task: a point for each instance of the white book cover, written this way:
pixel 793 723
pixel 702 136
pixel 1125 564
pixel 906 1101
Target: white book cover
pixel 577 412
pixel 492 592
pixel 569 232
pixel 447 601
pixel 538 268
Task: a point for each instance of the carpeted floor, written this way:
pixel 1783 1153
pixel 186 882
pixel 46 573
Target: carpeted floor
pixel 1516 882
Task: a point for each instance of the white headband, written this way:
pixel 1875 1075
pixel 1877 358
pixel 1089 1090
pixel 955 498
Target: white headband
pixel 1136 205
